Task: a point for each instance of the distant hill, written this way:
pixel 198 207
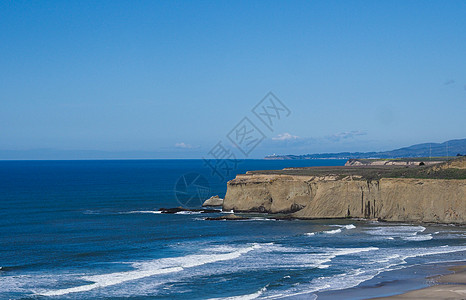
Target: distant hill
pixel 448 148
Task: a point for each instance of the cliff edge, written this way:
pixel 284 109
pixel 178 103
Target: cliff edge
pixel 421 194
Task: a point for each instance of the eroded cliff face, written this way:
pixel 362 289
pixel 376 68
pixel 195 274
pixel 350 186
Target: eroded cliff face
pixel 391 199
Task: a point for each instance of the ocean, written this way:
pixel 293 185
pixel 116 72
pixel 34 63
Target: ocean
pixel 92 229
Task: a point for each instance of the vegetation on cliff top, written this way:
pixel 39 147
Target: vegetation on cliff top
pixel 453 169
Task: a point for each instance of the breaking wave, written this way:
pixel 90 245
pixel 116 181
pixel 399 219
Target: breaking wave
pixel 334 231
pixel 151 268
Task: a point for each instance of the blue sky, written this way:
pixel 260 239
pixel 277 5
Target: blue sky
pixel 169 79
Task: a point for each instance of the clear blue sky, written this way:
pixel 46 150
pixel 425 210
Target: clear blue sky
pixel 173 78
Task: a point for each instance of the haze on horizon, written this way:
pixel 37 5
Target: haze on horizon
pixel 172 79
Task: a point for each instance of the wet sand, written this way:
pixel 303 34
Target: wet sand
pixel 450 286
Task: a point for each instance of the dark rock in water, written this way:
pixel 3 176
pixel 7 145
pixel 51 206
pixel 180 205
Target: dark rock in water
pixel 227 217
pixel 174 210
pixel 170 210
pixel 208 211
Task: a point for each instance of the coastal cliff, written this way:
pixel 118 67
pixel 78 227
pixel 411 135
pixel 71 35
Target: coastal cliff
pixel 337 196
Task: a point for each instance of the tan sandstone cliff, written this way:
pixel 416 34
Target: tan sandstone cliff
pixel 390 199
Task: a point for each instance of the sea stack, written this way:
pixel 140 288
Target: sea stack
pixel 213 201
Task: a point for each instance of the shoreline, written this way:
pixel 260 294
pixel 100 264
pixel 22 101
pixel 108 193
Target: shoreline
pixel 413 282
pixel 451 285
pixel 290 217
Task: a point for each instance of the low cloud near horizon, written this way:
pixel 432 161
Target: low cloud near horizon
pixel 285 136
pixel 183 145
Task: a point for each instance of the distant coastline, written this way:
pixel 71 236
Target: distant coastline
pixel 432 150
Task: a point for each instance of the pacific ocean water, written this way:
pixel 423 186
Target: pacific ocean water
pixel 91 229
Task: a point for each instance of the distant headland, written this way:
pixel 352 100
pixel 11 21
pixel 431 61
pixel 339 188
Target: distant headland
pixel 445 149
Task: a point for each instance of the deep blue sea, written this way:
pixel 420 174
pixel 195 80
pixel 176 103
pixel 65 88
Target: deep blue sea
pixel 91 229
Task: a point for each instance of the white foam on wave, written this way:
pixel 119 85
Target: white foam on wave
pixel 423 237
pixel 397 230
pixel 108 280
pixel 245 297
pixel 321 260
pixel 407 233
pixel 348 251
pixel 276 256
pixel 188 213
pixel 222 249
pixel 279 249
pixel 418 252
pixel 352 278
pixel 151 268
pixel 336 282
pixel 334 231
pixel 349 226
pixel 142 212
pixel 450 234
pixel 256 219
pixel 26 283
pixel 387 259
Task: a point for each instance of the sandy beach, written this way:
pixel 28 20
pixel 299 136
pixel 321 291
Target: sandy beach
pixel 449 286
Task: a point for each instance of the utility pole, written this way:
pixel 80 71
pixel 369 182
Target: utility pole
pixel 447 149
pixel 430 151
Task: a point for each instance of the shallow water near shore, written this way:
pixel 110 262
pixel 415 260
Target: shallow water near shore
pixel 91 229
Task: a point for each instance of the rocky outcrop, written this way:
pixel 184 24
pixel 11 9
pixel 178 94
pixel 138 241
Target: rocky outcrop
pixel 213 201
pixel 180 209
pixel 390 199
pixel 227 217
